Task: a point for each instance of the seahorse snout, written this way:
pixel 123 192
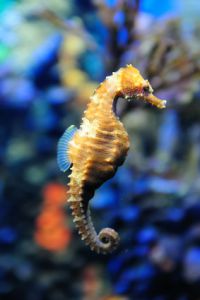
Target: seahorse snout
pixel 155 101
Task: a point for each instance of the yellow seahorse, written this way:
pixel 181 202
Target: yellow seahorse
pixel 98 148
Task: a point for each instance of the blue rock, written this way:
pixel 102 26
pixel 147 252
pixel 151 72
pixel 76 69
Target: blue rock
pixel 119 18
pixel 122 36
pixel 7 235
pixel 147 235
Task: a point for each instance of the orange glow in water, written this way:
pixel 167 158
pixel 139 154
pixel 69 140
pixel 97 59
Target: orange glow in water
pixel 52 232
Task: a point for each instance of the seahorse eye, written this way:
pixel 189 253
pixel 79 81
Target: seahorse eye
pixel 146 89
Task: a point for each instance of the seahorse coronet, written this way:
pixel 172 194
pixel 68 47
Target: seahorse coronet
pixel 99 147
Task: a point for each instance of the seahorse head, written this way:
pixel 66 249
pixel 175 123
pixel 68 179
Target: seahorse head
pixel 134 86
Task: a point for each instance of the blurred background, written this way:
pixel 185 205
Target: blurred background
pixel 53 54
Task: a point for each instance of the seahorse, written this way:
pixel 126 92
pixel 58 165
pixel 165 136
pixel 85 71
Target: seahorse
pixel 98 148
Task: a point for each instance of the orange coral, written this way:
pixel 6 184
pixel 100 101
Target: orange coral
pixel 51 231
pixel 54 193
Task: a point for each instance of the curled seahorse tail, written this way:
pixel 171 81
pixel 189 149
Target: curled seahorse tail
pixel 104 242
pixel 109 238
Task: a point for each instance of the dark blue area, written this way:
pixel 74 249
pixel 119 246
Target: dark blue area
pixel 7 235
pixel 42 69
pixel 122 36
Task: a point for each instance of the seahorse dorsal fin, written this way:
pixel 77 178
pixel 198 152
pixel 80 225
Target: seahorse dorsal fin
pixel 63 147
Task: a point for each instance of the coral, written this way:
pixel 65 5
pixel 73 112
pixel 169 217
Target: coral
pixel 51 231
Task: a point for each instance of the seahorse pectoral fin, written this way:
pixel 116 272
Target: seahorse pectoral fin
pixel 63 147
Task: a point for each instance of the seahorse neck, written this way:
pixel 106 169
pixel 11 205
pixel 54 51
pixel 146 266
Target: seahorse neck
pixel 104 96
